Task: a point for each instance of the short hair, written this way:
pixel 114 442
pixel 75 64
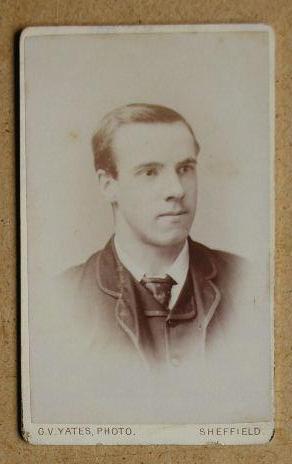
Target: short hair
pixel 133 113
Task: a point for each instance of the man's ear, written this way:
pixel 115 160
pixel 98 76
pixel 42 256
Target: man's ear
pixel 108 185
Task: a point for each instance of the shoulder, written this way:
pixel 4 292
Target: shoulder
pixel 85 271
pixel 213 262
pixel 211 253
pixel 80 296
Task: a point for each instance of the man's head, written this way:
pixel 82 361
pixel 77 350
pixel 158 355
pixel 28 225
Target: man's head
pixel 102 142
pixel 145 157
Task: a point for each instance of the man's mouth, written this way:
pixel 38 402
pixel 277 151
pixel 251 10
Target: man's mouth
pixel 180 212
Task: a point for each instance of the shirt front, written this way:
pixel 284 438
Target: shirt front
pixel 178 270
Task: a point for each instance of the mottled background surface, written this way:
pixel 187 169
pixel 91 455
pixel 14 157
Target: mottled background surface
pixel 14 16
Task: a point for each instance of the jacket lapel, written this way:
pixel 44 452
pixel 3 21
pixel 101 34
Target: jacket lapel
pixel 207 294
pixel 114 280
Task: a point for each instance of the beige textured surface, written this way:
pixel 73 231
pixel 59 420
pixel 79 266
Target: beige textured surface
pixel 14 16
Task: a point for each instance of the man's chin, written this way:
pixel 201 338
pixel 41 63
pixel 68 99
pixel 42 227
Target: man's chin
pixel 171 239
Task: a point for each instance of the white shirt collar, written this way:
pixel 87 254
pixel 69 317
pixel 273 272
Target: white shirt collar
pixel 178 269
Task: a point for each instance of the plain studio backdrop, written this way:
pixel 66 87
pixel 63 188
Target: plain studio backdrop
pixel 220 82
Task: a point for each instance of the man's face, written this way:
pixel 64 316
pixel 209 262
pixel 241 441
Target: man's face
pixel 156 187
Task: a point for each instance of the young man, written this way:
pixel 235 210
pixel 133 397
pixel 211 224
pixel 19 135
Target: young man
pixel 154 319
pixel 152 293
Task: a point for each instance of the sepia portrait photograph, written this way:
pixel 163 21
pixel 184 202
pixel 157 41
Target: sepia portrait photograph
pixel 147 234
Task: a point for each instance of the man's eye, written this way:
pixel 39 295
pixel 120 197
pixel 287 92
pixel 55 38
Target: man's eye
pixel 186 168
pixel 150 172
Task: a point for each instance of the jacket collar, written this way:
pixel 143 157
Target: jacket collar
pixel 108 268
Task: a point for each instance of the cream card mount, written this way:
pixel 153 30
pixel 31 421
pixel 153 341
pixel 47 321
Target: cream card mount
pixel 147 234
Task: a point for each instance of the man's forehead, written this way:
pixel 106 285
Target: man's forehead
pixel 153 139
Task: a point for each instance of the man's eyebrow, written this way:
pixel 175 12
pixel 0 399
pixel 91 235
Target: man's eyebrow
pixel 150 165
pixel 187 161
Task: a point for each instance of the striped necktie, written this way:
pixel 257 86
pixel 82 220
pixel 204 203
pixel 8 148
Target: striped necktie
pixel 160 287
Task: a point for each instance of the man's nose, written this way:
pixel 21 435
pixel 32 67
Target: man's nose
pixel 173 187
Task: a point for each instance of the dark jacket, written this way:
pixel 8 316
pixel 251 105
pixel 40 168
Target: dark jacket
pixel 106 295
pixel 95 360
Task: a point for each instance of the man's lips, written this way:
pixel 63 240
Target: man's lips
pixel 173 213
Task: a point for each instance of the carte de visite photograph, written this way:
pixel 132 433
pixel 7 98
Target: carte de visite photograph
pixel 147 234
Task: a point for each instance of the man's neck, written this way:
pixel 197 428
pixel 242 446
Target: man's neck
pixel 154 260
